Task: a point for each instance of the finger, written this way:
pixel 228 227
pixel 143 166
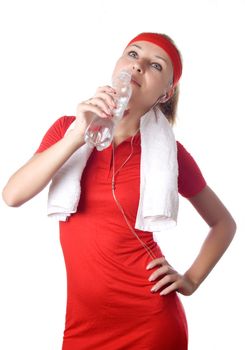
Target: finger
pixel 108 92
pixel 109 98
pixel 102 104
pixel 83 108
pixel 166 269
pixel 168 279
pixel 171 288
pixel 156 262
pixel 106 88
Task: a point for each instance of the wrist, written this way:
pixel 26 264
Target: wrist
pixel 76 137
pixel 192 280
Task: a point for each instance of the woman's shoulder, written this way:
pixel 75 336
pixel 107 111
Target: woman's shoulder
pixel 183 154
pixel 63 123
pixel 180 147
pixel 56 132
pixel 191 180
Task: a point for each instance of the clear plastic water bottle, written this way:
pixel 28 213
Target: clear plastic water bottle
pixel 100 131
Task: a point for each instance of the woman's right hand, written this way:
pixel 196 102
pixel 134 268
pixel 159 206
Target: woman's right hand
pixel 33 176
pixel 102 105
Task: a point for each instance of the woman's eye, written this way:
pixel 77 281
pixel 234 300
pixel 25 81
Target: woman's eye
pixel 156 66
pixel 132 53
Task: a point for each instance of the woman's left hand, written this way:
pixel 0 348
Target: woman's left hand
pixel 171 280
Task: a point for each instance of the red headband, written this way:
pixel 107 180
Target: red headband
pixel 167 46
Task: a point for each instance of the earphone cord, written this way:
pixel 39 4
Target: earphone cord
pixel 148 249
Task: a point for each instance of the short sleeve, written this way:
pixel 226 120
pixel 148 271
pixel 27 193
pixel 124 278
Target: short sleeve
pixel 55 133
pixel 190 180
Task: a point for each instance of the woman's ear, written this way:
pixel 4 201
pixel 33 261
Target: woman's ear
pixel 163 98
pixel 166 96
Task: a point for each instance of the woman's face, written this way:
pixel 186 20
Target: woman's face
pixel 151 69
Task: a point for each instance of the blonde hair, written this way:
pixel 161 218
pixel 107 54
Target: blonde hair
pixel 169 108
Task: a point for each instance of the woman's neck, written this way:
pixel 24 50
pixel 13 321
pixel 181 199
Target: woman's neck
pixel 128 126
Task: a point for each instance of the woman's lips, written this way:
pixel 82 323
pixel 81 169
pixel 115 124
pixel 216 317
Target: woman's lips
pixel 135 82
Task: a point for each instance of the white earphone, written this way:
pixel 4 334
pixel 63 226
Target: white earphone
pixel 163 98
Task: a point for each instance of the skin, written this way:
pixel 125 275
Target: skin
pixel 152 73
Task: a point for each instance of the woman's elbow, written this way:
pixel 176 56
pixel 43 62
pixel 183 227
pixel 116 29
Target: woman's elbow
pixel 229 225
pixel 10 198
pixel 232 225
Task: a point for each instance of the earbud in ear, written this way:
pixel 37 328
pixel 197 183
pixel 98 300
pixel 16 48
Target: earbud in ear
pixel 163 98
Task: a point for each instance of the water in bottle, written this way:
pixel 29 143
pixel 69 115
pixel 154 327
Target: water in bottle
pixel 100 131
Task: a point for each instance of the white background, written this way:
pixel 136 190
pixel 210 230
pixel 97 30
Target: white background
pixel 54 54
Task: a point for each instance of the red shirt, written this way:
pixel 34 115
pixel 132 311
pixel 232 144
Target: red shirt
pixel 109 303
pixel 190 180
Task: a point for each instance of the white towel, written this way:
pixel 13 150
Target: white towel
pixel 64 191
pixel 159 201
pixel 158 204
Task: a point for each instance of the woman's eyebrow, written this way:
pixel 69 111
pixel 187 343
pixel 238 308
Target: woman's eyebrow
pixel 137 46
pixel 160 57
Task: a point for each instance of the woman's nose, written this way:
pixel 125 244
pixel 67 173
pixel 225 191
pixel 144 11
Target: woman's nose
pixel 138 66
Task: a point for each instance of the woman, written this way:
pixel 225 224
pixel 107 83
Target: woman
pixel 121 289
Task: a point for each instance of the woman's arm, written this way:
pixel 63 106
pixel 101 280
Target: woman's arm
pixel 222 230
pixel 30 179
